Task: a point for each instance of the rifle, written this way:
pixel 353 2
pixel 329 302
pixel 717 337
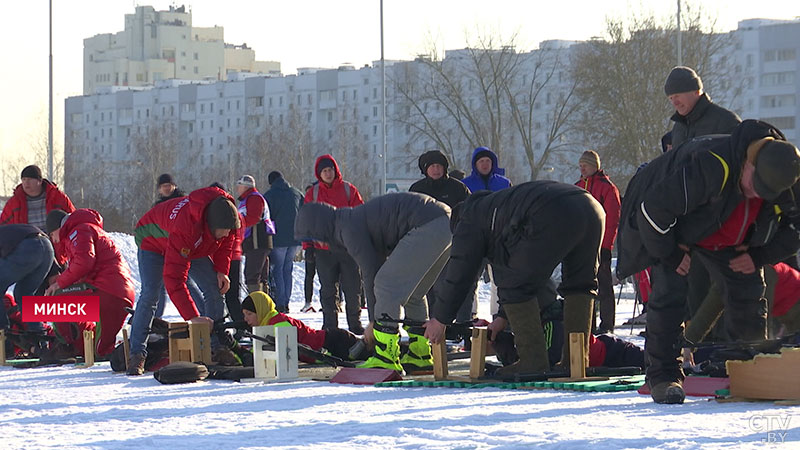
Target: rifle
pixel 455 331
pixel 761 346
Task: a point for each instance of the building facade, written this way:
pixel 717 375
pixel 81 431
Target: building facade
pixel 161 45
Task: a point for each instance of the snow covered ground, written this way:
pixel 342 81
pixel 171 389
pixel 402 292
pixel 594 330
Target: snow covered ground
pixel 68 407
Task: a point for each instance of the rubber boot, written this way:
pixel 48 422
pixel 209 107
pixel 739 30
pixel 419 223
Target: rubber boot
pixel 577 319
pixel 528 338
pixel 418 358
pixel 386 354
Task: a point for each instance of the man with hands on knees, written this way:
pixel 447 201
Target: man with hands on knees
pixel 186 235
pixel 525 232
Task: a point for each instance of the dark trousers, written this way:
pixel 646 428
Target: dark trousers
pixel 742 294
pixel 464 313
pixel 254 264
pixel 605 292
pixel 335 268
pixel 338 342
pixel 311 270
pixel 569 233
pixel 232 297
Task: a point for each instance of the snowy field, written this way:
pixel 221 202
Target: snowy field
pixel 68 407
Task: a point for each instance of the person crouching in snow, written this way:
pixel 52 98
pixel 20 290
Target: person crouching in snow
pixel 401 242
pixel 259 310
pixel 93 259
pixel 525 232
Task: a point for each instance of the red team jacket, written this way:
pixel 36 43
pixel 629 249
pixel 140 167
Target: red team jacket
pixel 335 195
pixel 93 256
pixel 604 191
pixel 178 230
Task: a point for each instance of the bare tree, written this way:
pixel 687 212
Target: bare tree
pixel 284 146
pixel 621 84
pixel 489 94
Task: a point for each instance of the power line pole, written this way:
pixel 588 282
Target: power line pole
pixel 680 50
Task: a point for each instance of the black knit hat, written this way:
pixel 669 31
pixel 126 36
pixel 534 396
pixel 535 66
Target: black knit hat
pixel 777 169
pixel 430 158
pixel 32 172
pixel 682 79
pixel 323 163
pixel 221 214
pixel 165 178
pixel 274 175
pixel 55 219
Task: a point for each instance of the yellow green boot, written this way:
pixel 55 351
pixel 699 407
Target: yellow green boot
pixel 418 358
pixel 386 354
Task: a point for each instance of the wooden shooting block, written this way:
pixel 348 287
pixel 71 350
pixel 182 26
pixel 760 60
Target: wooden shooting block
pixel 577 363
pixel 196 347
pixel 2 347
pixel 88 348
pixel 477 361
pixel 768 377
pixel 279 364
pixel 126 346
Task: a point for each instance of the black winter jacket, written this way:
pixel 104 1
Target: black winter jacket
pixel 175 194
pixel 489 225
pixel 12 235
pixel 447 190
pixel 368 232
pixel 705 118
pixel 284 202
pixel 685 195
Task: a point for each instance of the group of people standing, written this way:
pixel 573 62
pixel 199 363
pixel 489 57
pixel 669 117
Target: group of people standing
pixel 705 217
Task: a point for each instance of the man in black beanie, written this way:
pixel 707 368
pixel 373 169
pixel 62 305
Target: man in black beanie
pixel 167 188
pixel 695 114
pixel 439 185
pixel 187 236
pixel 33 198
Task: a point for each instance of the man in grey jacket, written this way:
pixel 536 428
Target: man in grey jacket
pixel 401 242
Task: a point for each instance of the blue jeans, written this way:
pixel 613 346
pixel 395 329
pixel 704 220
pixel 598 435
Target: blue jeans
pixel 282 261
pixel 27 267
pixel 151 273
pixel 194 291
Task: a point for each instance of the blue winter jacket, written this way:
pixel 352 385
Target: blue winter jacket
pixel 494 182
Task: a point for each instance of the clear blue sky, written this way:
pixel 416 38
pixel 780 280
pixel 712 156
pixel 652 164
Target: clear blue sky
pixel 301 33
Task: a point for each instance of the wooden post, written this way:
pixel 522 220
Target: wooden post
pixel 88 348
pixel 577 362
pixel 195 347
pixel 126 345
pixel 200 336
pixel 2 347
pixel 439 360
pixel 177 346
pixel 477 357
